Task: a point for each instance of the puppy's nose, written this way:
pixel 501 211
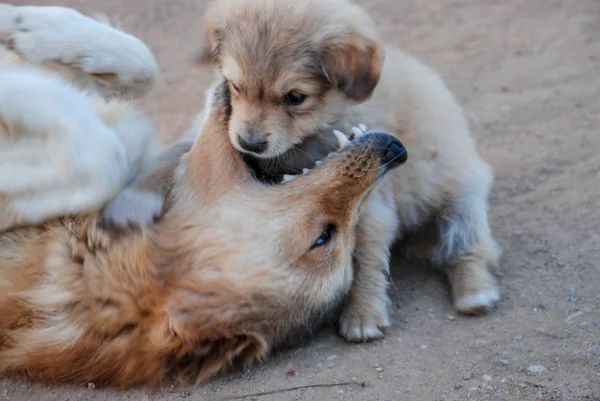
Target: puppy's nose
pixel 392 152
pixel 253 144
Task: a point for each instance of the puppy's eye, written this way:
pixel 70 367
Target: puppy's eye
pixel 325 236
pixel 294 98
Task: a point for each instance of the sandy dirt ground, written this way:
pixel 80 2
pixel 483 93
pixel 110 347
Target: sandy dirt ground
pixel 528 75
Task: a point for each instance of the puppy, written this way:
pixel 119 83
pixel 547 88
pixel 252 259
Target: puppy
pixel 297 69
pixel 70 140
pixel 228 273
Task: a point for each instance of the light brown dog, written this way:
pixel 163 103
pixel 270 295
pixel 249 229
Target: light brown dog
pixel 232 269
pixel 298 69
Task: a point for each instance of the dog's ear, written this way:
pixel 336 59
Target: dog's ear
pixel 205 56
pixel 228 354
pixel 213 165
pixel 353 65
pixel 210 50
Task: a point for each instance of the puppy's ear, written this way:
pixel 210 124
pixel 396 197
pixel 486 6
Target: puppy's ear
pixel 354 65
pixel 210 50
pixel 205 56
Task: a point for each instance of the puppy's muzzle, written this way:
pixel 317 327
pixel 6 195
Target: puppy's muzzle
pixel 253 144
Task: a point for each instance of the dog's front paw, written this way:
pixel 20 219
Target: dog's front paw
pixel 361 326
pixel 64 36
pixel 133 208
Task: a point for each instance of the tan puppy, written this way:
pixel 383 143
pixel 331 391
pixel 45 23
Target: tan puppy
pixel 56 156
pixel 229 272
pixel 298 69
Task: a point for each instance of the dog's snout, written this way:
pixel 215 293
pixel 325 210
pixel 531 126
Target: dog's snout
pixel 392 152
pixel 253 144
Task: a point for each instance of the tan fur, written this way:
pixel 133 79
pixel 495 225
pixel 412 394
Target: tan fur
pixel 329 51
pixel 228 273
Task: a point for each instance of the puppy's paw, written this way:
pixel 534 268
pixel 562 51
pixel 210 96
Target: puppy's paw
pixel 360 326
pixel 64 36
pixel 478 303
pixel 134 207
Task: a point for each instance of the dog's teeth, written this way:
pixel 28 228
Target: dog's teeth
pixel 363 127
pixel 288 177
pixel 342 139
pixel 357 131
pixel 305 170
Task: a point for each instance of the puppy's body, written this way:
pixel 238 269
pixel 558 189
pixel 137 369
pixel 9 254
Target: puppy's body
pixel 299 69
pixel 70 140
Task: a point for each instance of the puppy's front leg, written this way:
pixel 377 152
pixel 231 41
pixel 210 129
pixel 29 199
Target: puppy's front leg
pixel 367 310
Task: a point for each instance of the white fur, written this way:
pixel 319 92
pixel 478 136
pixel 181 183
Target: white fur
pixel 56 156
pixel 62 35
pixel 133 206
pixel 63 148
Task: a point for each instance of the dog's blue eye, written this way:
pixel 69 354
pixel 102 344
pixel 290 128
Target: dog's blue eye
pixel 325 237
pixel 294 98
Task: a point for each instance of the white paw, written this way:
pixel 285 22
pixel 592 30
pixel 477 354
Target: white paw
pixel 355 328
pixel 479 302
pixel 67 37
pixel 133 207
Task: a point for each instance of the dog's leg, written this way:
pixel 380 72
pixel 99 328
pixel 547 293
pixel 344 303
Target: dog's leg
pixel 367 310
pixel 474 287
pixel 465 244
pixel 56 156
pixel 142 201
pixel 88 52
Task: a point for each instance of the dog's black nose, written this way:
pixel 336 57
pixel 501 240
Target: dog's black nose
pixel 392 151
pixel 254 145
pixel 395 154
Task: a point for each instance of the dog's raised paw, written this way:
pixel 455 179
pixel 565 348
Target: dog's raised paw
pixel 42 34
pixel 65 36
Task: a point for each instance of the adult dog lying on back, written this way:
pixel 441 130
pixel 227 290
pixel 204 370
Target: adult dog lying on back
pixel 228 272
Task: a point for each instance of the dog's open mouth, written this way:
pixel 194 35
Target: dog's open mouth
pixel 263 173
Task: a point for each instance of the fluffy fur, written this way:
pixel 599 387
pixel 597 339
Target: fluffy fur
pixel 227 273
pixel 56 156
pixel 297 69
